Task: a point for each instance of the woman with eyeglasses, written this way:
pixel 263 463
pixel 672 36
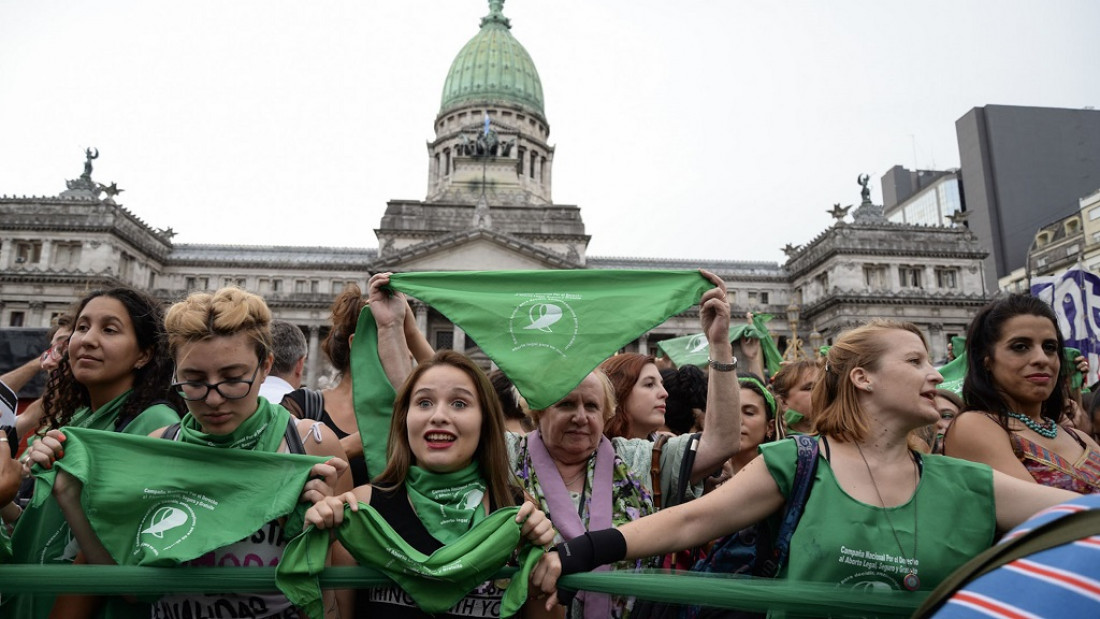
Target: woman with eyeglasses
pixel 221 346
pixel 114 376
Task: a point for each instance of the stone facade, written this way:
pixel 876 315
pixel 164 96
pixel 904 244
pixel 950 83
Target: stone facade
pixel 488 206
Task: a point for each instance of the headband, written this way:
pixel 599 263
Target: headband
pixel 769 399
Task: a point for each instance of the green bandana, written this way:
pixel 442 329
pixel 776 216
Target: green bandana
pixel 263 431
pixel 102 418
pixel 769 399
pixel 695 350
pixel 435 582
pixel 954 373
pixel 792 417
pixel 372 393
pixel 42 534
pixel 548 329
pixel 158 502
pixel 447 503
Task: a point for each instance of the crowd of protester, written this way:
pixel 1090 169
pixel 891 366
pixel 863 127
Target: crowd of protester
pixel 893 483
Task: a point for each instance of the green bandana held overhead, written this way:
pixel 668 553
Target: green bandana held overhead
pixel 694 349
pixel 548 329
pixel 955 371
pixel 435 582
pixel 448 503
pixel 158 502
pixel 372 393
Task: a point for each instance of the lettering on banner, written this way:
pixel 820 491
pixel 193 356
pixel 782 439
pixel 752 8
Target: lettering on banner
pixel 881 567
pixel 1075 298
pixel 483 601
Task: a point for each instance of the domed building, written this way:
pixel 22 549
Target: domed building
pixel 489 199
pixel 488 206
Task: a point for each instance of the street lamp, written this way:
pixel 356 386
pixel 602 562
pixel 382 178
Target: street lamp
pixel 794 350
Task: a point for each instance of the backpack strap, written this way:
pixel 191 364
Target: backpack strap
pixel 655 468
pixel 171 433
pixel 305 403
pixel 294 444
pixel 805 468
pixel 687 463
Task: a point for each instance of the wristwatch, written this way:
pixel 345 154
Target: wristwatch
pixel 723 367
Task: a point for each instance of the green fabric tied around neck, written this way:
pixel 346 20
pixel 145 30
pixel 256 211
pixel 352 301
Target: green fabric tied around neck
pixel 262 431
pixel 371 393
pixel 447 503
pixel 103 418
pixel 793 417
pixel 435 582
pixel 548 329
pixel 158 502
pixel 695 350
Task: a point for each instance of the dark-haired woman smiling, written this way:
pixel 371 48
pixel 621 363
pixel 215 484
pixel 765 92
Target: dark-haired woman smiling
pixel 1015 391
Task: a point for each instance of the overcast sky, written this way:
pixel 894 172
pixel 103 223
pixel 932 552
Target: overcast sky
pixel 684 128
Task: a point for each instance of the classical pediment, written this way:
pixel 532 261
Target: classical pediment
pixel 474 250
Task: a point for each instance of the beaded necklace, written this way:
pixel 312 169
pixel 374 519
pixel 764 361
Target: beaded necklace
pixel 1047 430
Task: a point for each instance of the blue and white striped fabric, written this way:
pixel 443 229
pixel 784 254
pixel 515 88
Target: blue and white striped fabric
pixel 1058 582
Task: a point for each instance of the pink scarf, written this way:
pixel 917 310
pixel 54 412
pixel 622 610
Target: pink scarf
pixel 565 518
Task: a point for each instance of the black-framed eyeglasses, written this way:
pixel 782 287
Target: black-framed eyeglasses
pixel 233 389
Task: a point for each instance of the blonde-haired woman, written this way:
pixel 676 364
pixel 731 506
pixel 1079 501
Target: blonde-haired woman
pixel 870 495
pixel 221 345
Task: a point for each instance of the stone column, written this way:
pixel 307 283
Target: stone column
pixel 5 253
pixel 46 257
pixel 311 359
pixel 643 344
pixel 459 342
pixel 936 342
pixel 35 318
pixel 421 318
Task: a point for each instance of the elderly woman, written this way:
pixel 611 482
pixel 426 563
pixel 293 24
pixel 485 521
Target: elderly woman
pixel 1016 393
pixel 584 480
pixel 871 494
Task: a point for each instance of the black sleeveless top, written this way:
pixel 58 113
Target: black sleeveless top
pixel 394 507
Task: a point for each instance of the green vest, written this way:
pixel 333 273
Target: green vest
pixel 841 540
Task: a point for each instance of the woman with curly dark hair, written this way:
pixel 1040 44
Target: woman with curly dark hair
pixel 1015 392
pixel 117 367
pixel 114 377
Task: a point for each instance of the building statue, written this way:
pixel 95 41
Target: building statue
pixel 90 153
pixel 863 180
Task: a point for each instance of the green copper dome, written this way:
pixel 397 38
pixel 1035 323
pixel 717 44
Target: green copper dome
pixel 493 66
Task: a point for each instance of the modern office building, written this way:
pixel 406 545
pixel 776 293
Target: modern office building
pixel 928 197
pixel 1022 168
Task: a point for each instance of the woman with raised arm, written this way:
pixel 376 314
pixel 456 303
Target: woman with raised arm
pixel 870 493
pixel 1015 391
pixel 447 471
pixel 586 481
pixel 337 408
